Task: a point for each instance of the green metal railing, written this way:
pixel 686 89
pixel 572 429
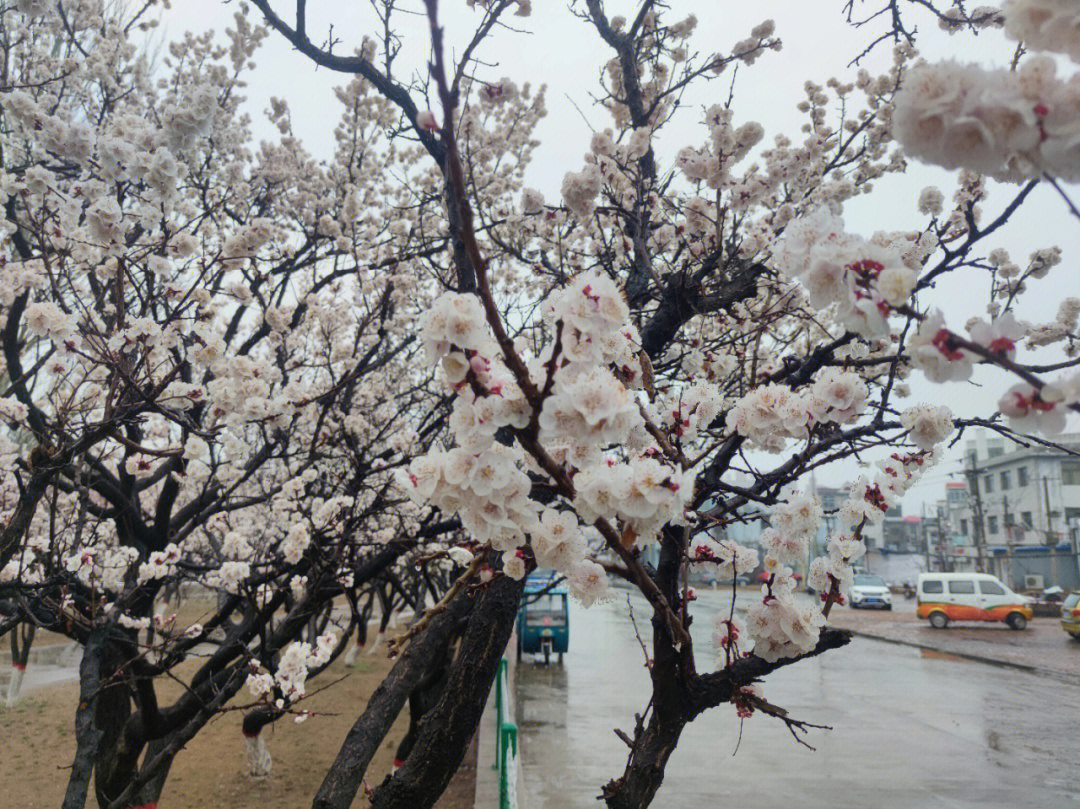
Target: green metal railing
pixel 506 743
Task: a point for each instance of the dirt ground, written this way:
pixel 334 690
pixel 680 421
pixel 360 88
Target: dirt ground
pixel 37 740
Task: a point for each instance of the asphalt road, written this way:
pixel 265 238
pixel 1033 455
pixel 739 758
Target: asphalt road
pixel 911 728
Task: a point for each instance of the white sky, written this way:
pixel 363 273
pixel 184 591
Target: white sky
pixel 566 54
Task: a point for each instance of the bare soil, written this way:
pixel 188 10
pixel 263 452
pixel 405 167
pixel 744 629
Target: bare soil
pixel 38 743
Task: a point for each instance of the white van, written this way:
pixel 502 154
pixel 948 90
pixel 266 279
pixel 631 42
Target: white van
pixel 945 597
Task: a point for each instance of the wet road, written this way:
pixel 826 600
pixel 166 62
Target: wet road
pixel 911 729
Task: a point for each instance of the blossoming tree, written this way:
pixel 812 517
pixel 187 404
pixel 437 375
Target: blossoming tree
pixel 273 377
pixel 188 406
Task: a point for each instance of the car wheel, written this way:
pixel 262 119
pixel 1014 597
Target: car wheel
pixel 888 607
pixel 1016 621
pixel 939 620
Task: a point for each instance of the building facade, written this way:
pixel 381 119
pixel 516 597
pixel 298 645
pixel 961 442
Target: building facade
pixel 1022 515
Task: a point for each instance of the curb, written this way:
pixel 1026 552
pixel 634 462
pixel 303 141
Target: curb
pixel 993 661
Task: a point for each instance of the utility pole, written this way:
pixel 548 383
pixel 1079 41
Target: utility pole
pixel 926 537
pixel 1010 528
pixel 946 566
pixel 1074 540
pixel 1051 540
pixel 972 473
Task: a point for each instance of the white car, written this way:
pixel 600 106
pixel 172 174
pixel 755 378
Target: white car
pixel 869 591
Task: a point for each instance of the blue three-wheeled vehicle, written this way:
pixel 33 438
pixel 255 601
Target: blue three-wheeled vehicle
pixel 543 622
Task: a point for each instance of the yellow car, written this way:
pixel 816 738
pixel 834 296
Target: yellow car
pixel 1070 614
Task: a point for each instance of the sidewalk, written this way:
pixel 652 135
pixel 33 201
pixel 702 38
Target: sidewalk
pixel 1043 647
pixel 487 777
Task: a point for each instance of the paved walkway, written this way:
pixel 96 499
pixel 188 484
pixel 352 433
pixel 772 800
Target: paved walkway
pixel 1042 646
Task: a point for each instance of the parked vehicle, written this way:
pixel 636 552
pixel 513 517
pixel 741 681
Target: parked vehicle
pixel 869 591
pixel 543 622
pixel 945 597
pixel 1070 614
pixel 1052 594
pixel 909 591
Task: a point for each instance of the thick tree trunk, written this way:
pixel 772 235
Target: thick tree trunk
pixel 645 771
pixel 118 754
pixel 87 734
pixel 258 755
pixel 670 711
pixel 447 729
pixel 345 775
pixel 150 793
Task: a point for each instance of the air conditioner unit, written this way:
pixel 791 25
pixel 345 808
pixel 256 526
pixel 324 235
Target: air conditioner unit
pixel 1033 581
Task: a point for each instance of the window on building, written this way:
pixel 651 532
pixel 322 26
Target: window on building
pixel 1006 481
pixel 932 586
pixel 963 526
pixel 1025 519
pixel 988 484
pixel 991 588
pixel 1072 515
pixel 1070 473
pixel 1022 476
pixel 962 586
pixel 991 525
pixel 995 451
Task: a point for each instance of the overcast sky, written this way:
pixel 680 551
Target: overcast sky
pixel 554 48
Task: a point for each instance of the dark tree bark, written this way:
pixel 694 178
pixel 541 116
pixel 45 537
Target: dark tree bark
pixel 87 734
pixel 447 729
pixel 345 775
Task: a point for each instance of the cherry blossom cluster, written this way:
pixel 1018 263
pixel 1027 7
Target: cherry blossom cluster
pixel 643 493
pixel 927 425
pixel 728 145
pixel 489 490
pixel 590 374
pixel 727 631
pixel 288 682
pixel 1002 123
pixel 782 625
pixel 1044 25
pixel 771 414
pixel 865 280
pixel 726 559
pixel 870 497
pixel 937 352
pixel 587 408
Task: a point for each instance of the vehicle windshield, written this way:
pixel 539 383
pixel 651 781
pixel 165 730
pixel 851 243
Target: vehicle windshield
pixel 547 610
pixel 869 581
pixel 1071 601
